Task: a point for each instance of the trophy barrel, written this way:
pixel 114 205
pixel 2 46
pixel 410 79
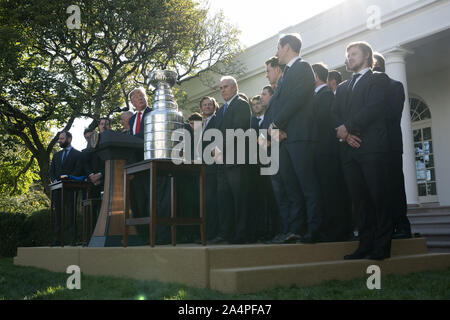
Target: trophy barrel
pixel 165 118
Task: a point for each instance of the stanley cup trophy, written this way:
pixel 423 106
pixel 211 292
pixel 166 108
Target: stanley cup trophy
pixel 164 119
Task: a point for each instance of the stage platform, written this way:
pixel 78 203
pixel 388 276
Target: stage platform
pixel 234 268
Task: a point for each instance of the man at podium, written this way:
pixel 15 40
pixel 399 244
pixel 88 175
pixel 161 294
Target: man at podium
pixel 64 162
pixel 140 185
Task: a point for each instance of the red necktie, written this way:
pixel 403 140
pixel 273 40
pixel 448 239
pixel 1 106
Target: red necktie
pixel 138 123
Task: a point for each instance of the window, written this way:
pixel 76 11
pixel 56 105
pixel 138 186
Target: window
pixel 424 150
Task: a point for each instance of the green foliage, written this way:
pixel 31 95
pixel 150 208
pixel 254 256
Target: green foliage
pixel 18 168
pixel 11 232
pixel 26 203
pixel 22 230
pixel 50 74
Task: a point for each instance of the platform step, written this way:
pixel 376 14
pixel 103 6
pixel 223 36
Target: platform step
pixel 433 230
pixel 438 244
pixel 429 218
pixel 254 279
pixel 264 255
pixel 429 210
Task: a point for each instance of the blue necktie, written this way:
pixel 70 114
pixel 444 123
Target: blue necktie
pixel 225 107
pixel 64 155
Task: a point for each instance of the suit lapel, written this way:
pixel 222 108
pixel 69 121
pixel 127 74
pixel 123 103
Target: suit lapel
pixel 211 123
pixel 357 87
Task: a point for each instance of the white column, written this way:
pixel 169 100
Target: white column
pixel 396 69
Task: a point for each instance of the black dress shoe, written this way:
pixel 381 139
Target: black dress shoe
pixel 401 235
pixel 356 255
pixel 292 238
pixel 278 239
pixel 218 240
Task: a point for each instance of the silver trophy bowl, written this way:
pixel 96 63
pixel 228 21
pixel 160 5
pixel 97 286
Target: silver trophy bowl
pixel 165 118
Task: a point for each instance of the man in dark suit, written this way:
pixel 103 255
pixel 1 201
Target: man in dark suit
pixel 140 185
pixel 93 167
pixel 293 114
pixel 232 178
pixel 333 80
pixel 360 120
pixel 263 223
pixel 64 162
pixel 208 107
pixel 274 71
pixel 337 209
pixel 398 206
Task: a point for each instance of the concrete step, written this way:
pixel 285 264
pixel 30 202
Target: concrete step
pixel 438 243
pixel 432 217
pixel 254 279
pixel 431 230
pixel 265 255
pixel 430 210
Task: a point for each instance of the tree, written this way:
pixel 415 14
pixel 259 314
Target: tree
pixel 51 74
pixel 18 167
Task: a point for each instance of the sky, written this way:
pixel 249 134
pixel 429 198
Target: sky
pixel 257 20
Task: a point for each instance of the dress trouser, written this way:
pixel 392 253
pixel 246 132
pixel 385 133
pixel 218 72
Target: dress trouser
pixel 299 177
pixel 336 203
pixel 367 177
pixel 212 216
pixel 232 195
pixel 397 204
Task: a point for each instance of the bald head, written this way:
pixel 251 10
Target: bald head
pixel 228 87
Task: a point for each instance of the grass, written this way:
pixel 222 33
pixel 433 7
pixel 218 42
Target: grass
pixel 17 283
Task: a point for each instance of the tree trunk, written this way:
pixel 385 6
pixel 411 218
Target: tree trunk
pixel 43 160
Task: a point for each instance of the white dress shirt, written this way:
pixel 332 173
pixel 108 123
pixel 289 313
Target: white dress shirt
pixel 319 88
pixel 362 73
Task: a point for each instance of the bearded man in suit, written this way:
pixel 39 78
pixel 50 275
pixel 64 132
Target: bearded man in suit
pixel 65 162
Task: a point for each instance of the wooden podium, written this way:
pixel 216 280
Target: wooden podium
pixel 115 148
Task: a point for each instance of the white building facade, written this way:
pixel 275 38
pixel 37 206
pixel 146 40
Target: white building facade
pixel 414 37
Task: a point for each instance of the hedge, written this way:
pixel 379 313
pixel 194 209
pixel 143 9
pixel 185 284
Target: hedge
pixel 23 230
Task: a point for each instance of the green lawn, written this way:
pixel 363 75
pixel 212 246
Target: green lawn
pixel 32 283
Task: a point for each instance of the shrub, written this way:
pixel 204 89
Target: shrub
pixel 11 232
pixel 23 230
pixel 37 229
pixel 25 203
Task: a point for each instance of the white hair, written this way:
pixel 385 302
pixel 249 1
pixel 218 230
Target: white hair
pixel 229 78
pixel 129 114
pixel 130 95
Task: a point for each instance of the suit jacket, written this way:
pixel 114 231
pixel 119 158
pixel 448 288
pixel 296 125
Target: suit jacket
pixel 237 117
pixel 326 135
pixel 292 103
pixel 363 111
pixel 141 130
pixel 395 100
pixel 90 162
pixel 71 165
pixel 268 114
